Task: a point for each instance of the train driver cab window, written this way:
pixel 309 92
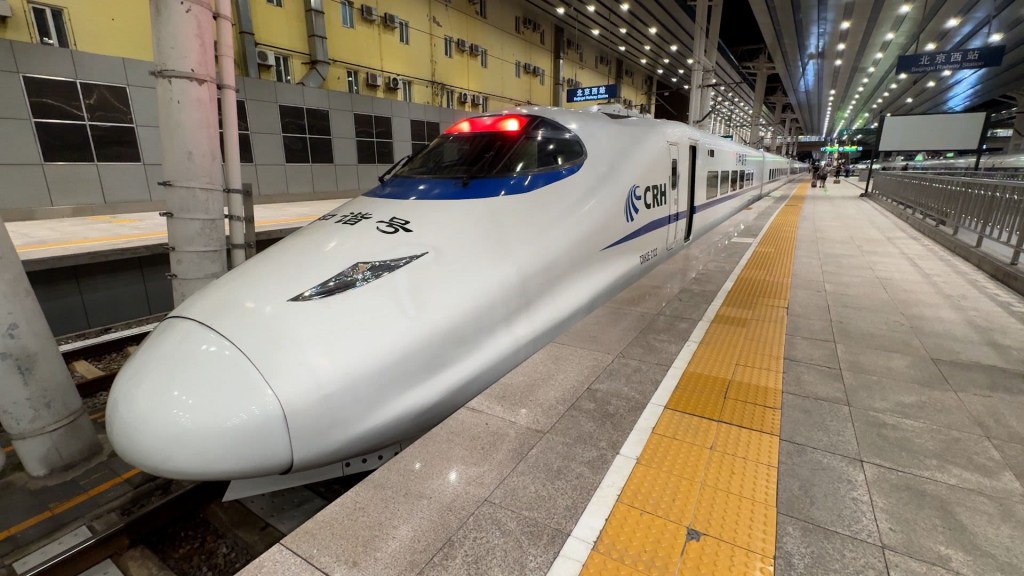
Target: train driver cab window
pixel 735 180
pixel 712 185
pixel 675 173
pixel 498 145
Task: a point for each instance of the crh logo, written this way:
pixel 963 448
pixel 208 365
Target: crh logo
pixel 632 206
pixel 653 196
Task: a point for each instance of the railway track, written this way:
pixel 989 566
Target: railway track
pixel 79 357
pixel 189 500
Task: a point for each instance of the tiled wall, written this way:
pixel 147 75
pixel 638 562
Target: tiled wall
pixel 27 182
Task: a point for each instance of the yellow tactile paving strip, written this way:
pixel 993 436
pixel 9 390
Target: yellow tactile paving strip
pixel 701 498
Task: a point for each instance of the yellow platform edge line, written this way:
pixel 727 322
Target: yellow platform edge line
pixel 701 498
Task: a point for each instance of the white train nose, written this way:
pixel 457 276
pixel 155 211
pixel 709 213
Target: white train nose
pixel 189 405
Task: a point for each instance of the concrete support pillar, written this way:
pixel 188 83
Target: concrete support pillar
pixel 187 102
pixel 711 51
pixel 39 406
pixel 1017 138
pixel 761 68
pixel 697 72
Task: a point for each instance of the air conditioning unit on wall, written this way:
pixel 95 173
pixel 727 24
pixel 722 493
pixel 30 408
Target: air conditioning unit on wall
pixel 527 67
pixel 474 49
pixel 391 20
pixel 373 79
pixel 265 57
pixel 478 100
pixel 394 83
pixel 462 44
pixel 464 98
pixel 369 12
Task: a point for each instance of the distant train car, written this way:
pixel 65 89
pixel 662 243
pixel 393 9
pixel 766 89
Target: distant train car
pixel 374 323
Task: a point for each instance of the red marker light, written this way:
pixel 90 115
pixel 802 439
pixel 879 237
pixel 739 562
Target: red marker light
pixel 488 124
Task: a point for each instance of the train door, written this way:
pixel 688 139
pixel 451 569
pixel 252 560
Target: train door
pixel 673 194
pixel 691 191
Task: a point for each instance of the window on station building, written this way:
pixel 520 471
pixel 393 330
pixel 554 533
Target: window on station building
pixel 282 69
pixel 403 32
pixel 423 133
pixel 406 90
pixel 50 26
pixel 540 78
pixel 519 24
pixel 483 57
pixel 82 122
pixel 348 19
pixel 481 8
pixel 483 104
pixel 352 77
pixel 449 98
pixel 278 3
pixel 519 69
pixel 374 143
pixel 711 188
pixel 448 40
pixel 244 139
pixel 307 135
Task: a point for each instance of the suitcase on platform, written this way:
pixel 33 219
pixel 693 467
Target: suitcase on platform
pixel 814 183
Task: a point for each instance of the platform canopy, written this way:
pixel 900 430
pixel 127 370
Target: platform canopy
pixel 848 50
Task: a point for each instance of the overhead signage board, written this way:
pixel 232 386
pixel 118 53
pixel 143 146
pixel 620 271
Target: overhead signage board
pixel 842 148
pixel 966 59
pixel 592 93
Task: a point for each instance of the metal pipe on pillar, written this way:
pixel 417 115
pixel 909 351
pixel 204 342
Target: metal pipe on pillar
pixel 229 123
pixel 559 66
pixel 193 174
pixel 39 406
pixel 697 73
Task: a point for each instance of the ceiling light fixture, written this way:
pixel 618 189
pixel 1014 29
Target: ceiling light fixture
pixel 595 31
pixel 623 48
pixel 902 76
pixel 910 99
pixel 931 46
pixel 952 23
pixel 841 47
pixel 838 61
pixel 844 25
pixel 624 6
pixel 996 37
pixel 871 69
pixel 890 35
pixel 560 10
pixel 673 47
pixel 653 30
pixel 591 7
pixel 878 55
pixel 689 60
pixel 622 30
pixel 947 72
pixel 931 83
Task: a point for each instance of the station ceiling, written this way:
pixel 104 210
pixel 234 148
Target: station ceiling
pixel 658 36
pixel 835 59
pixel 844 53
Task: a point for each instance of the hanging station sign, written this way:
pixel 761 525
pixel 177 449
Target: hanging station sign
pixel 966 59
pixel 842 148
pixel 591 93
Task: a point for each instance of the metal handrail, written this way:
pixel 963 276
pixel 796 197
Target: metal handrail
pixel 991 208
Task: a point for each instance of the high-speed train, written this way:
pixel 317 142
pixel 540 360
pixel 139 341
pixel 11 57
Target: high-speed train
pixel 372 324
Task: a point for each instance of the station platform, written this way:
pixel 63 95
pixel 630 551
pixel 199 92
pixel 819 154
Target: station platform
pixel 811 388
pixel 74 241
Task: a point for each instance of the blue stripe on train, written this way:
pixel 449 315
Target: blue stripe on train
pixel 659 223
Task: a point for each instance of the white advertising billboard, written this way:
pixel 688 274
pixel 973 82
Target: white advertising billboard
pixel 932 132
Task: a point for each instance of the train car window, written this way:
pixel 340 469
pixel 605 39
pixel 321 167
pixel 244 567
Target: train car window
pixel 734 180
pixel 675 173
pixel 750 177
pixel 711 189
pixel 540 145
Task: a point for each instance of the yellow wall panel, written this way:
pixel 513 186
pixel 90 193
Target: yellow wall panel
pixel 112 27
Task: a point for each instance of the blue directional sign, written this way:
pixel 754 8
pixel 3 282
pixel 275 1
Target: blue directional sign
pixel 966 59
pixel 591 93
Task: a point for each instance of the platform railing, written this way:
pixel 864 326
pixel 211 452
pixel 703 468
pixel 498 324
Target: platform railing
pixel 990 208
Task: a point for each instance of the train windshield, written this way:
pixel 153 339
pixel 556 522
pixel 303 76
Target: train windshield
pixel 490 146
